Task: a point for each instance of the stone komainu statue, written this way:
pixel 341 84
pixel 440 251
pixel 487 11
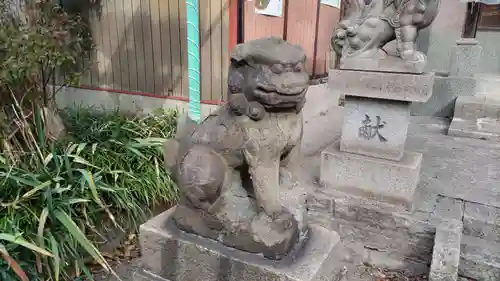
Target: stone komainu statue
pixel 234 168
pixel 371 25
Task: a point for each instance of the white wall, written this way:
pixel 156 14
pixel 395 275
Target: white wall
pixel 70 97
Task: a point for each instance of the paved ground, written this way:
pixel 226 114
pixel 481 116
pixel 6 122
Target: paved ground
pixel 452 166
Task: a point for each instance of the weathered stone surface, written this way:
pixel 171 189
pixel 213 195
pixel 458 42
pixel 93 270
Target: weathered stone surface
pixel 384 64
pixel 235 169
pixel 476 117
pixel 322 116
pixel 375 127
pixel 383 248
pixel 487 85
pixel 371 25
pixel 374 178
pixel 320 202
pixel 174 255
pixel 383 85
pixel 479 259
pixel 453 165
pixel 446 251
pixel 141 275
pixel 379 237
pixel 449 208
pixel 466 56
pixel 482 221
pixel 446 90
pixel 430 209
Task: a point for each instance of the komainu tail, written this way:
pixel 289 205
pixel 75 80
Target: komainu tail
pixel 173 148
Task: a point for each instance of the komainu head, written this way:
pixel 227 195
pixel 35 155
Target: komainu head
pixel 267 74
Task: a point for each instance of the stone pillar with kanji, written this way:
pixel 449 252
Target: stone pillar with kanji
pixel 379 82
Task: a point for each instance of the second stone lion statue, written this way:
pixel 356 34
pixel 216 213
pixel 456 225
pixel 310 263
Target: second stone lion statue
pixel 237 169
pixel 370 25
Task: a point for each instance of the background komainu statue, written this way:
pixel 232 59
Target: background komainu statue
pixel 371 24
pixel 237 169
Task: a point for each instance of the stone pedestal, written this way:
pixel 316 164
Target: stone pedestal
pixel 370 159
pixel 172 255
pixel 365 132
pixel 378 179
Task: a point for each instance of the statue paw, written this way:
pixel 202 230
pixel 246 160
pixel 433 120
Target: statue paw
pixel 412 55
pixel 278 234
pixel 256 111
pixel 283 220
pixel 338 40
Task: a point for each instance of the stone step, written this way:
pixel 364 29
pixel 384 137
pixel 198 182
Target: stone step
pixel 476 107
pixel 479 259
pixel 446 251
pixel 482 221
pixel 488 85
pixel 381 235
pixel 460 168
pixel 476 117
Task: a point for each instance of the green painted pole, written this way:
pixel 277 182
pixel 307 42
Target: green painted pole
pixel 193 46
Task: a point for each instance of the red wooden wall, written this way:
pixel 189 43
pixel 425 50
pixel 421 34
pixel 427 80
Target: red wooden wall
pixel 304 22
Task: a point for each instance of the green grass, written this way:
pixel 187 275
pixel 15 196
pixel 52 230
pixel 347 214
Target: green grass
pixel 57 198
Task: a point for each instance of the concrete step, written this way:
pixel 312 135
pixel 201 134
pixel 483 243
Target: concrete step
pixel 482 221
pixel 446 251
pixel 488 85
pixel 476 117
pixel 479 259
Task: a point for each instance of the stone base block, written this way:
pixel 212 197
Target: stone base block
pixel 382 85
pixel 170 254
pixel 385 64
pixel 476 117
pixel 482 221
pixel 374 233
pixel 470 129
pixel 446 252
pixel 375 127
pixel 487 85
pixel 378 179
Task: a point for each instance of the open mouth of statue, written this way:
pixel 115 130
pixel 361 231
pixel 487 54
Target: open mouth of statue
pixel 292 93
pixel 277 98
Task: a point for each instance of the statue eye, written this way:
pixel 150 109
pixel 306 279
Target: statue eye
pixel 277 68
pixel 298 67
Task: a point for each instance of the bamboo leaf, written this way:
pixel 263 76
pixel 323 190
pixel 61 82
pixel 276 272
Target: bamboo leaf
pixel 137 152
pixel 40 238
pixel 39 126
pixel 94 147
pixel 77 201
pixel 75 231
pixel 36 189
pixel 13 264
pixel 21 242
pixel 32 183
pixel 56 260
pixel 69 169
pixel 47 159
pixel 71 148
pixel 95 194
pixel 80 160
pixel 80 148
